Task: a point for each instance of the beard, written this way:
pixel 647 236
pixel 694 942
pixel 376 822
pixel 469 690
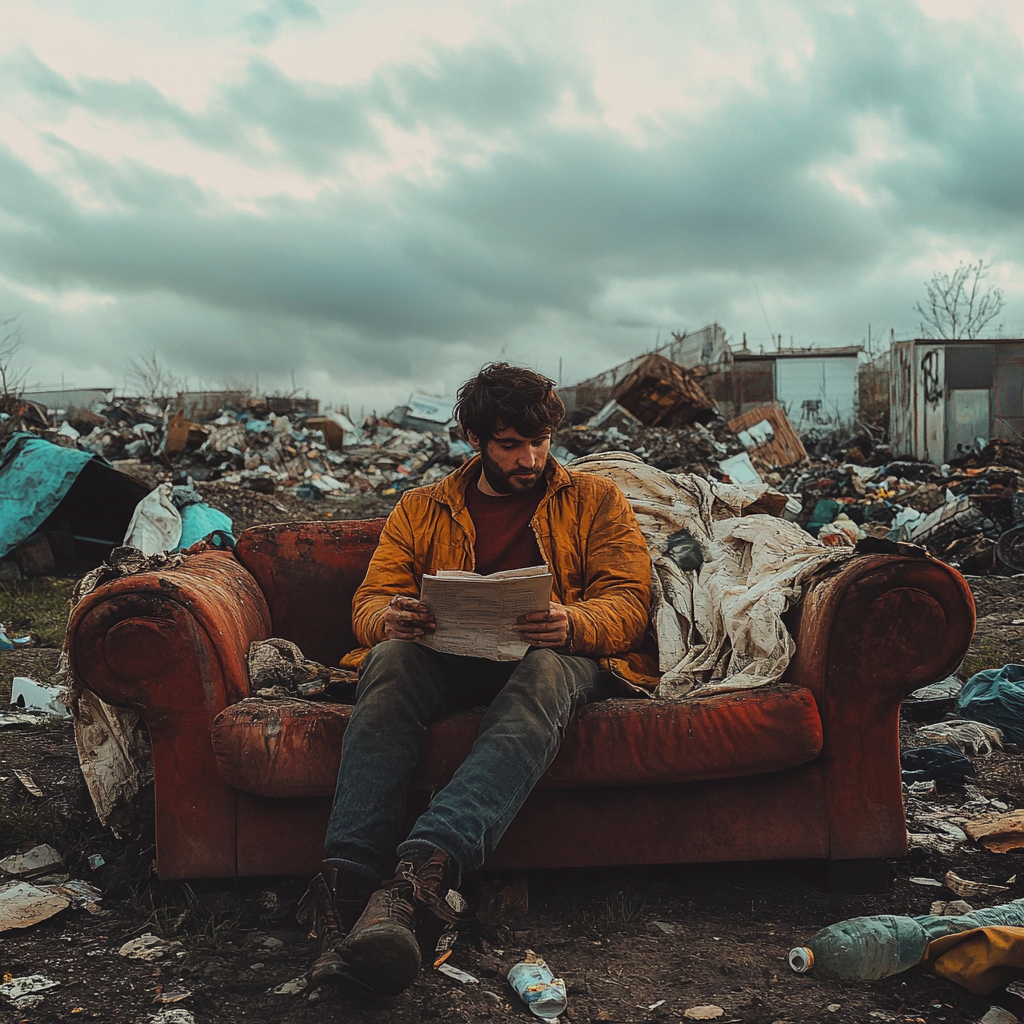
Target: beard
pixel 519 482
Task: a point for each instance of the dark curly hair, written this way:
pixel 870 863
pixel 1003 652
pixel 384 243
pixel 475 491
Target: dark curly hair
pixel 503 396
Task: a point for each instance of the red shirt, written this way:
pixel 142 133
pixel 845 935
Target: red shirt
pixel 504 539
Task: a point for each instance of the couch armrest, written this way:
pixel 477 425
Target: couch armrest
pixel 866 636
pixel 172 647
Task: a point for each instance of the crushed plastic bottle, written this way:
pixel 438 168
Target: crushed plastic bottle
pixel 543 993
pixel 869 948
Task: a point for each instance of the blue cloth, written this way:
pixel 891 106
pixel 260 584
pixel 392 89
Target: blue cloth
pixel 201 521
pixel 996 696
pixel 402 688
pixel 35 476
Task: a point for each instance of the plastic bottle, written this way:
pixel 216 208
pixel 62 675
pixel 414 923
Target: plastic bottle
pixel 543 993
pixel 868 948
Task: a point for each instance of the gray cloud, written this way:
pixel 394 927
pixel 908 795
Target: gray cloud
pixel 574 230
pixel 263 26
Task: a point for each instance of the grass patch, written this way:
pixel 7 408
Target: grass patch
pixel 611 913
pixel 989 652
pixel 29 820
pixel 39 605
pixel 198 920
pixel 23 821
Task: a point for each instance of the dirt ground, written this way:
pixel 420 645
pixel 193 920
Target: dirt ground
pixel 633 944
pixel 250 508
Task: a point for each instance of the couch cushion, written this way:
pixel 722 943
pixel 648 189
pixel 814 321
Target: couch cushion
pixel 292 748
pixel 308 573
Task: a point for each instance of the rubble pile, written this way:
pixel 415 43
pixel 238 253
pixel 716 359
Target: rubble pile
pixel 968 512
pixel 841 487
pixel 694 449
pixel 310 455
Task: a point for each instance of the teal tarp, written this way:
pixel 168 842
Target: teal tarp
pixel 35 476
pixel 200 521
pixel 996 696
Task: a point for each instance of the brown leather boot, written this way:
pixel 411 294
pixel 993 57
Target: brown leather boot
pixel 332 904
pixel 382 949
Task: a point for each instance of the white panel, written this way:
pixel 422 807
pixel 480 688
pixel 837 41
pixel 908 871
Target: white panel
pixel 967 418
pixel 817 390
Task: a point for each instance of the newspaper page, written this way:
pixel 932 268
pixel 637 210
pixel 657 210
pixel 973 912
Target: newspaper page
pixel 476 615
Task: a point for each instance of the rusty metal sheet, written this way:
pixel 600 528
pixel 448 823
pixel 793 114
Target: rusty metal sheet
pixel 785 448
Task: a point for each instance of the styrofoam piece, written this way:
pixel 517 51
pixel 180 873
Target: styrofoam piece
pixel 32 696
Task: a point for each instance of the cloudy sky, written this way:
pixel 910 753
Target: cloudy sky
pixel 378 197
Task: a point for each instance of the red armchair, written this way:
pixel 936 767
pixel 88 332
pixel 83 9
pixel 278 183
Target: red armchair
pixel 808 768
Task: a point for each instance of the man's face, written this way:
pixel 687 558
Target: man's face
pixel 513 464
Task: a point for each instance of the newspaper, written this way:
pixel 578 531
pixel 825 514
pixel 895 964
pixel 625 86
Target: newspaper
pixel 476 615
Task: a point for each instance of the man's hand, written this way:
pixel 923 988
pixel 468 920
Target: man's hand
pixel 408 619
pixel 545 629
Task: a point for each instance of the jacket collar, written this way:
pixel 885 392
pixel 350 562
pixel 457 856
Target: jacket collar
pixel 452 489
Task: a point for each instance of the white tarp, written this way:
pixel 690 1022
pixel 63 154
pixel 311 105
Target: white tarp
pixel 156 524
pixel 719 627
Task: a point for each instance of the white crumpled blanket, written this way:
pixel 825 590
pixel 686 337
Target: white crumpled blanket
pixel 719 627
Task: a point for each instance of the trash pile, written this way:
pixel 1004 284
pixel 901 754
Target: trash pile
pixel 968 512
pixel 981 950
pixel 79 476
pixel 842 488
pixel 693 449
pixel 264 444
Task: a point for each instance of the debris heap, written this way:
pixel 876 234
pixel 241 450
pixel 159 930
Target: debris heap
pixel 842 486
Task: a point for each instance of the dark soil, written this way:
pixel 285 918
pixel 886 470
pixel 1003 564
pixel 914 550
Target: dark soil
pixel 250 508
pixel 721 937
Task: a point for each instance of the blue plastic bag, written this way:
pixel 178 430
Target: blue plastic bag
pixel 996 697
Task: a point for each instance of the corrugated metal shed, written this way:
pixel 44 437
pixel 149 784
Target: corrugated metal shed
pixel 817 390
pixel 817 387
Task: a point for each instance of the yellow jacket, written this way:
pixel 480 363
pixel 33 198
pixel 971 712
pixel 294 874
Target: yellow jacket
pixel 587 534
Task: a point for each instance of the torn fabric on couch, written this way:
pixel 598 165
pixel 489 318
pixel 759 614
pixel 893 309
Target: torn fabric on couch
pixel 718 627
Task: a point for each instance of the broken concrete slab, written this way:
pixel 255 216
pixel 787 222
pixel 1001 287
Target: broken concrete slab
pixel 39 860
pixel 23 905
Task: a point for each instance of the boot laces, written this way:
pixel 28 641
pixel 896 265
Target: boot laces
pixel 425 893
pixel 317 908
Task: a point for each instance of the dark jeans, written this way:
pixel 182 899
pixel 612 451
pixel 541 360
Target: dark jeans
pixel 403 686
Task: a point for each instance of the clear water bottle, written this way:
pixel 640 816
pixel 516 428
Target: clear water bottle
pixel 868 948
pixel 862 949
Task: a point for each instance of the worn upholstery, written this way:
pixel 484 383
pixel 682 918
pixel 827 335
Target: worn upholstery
pixel 292 748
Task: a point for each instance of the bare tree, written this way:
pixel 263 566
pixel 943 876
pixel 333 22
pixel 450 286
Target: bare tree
pixel 12 379
pixel 958 305
pixel 155 380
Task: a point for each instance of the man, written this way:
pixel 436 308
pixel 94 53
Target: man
pixel 511 507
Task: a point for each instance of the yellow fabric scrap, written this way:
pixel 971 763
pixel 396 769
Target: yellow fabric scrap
pixel 981 960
